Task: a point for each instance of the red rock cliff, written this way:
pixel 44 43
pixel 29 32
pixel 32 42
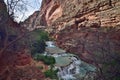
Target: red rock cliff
pixel 87 28
pixel 14 56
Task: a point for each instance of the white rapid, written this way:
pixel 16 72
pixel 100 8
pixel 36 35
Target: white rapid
pixel 50 44
pixel 76 67
pixel 68 72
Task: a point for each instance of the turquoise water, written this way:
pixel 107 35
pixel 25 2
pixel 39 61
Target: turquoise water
pixel 69 65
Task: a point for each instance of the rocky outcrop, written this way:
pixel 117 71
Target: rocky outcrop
pixel 87 28
pixel 30 23
pixel 97 11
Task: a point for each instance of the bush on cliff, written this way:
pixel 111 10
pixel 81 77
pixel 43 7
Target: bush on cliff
pixel 38 47
pixel 37 41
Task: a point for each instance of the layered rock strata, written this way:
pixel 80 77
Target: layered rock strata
pixel 88 28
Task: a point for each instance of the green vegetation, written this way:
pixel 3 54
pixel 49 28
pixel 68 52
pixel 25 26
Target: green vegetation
pixel 37 41
pixel 38 47
pixel 49 60
pixel 39 35
pixel 51 73
pixel 38 38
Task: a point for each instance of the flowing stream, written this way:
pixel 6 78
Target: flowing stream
pixel 69 66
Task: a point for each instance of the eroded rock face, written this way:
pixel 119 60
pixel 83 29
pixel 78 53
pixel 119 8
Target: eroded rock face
pixel 50 11
pixel 90 43
pixel 104 12
pixel 87 28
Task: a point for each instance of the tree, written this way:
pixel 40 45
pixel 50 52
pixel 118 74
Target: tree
pixel 38 47
pixel 8 28
pixel 14 6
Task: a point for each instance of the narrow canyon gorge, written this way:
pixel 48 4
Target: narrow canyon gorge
pixel 89 29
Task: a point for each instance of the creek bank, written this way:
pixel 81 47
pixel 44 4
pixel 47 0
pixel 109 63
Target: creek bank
pixel 70 66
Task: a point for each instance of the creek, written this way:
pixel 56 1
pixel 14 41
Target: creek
pixel 70 66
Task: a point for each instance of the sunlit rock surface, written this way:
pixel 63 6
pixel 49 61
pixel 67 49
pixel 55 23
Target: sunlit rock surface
pixel 87 28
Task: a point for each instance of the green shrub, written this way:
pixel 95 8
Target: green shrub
pixel 39 35
pixel 51 73
pixel 49 60
pixel 37 41
pixel 38 47
pixel 39 57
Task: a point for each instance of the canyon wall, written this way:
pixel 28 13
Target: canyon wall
pixel 88 28
pixel 15 59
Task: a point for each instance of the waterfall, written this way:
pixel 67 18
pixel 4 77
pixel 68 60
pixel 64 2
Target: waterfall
pixel 74 68
pixel 66 72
